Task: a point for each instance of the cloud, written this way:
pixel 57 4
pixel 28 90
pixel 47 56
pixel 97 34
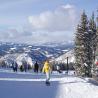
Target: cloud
pixel 37 37
pixel 51 37
pixel 61 19
pixel 14 33
pixel 49 26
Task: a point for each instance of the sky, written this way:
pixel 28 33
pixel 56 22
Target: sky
pixel 41 21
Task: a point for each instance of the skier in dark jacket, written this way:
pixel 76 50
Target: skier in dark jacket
pixel 25 66
pixel 15 66
pixel 36 67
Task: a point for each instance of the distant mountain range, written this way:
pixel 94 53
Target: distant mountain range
pixel 38 53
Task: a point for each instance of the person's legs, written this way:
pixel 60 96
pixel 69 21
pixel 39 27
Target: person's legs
pixel 47 77
pixel 36 70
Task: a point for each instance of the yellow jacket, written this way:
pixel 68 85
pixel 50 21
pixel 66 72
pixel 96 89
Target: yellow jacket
pixel 47 67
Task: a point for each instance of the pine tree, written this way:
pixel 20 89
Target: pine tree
pixel 81 44
pixel 97 28
pixel 96 53
pixel 93 39
pixel 85 45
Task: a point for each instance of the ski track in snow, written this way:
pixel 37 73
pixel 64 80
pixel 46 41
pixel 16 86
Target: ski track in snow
pixel 64 87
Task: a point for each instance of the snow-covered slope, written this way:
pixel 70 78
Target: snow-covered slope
pixel 19 86
pixel 19 58
pixel 63 58
pixel 24 57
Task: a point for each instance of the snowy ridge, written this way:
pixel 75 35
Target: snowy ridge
pixel 63 58
pixel 24 57
pixel 19 58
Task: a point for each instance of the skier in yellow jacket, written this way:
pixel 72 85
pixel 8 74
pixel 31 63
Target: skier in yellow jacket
pixel 47 71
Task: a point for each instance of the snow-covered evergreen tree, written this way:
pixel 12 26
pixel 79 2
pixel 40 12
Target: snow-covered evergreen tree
pixel 85 45
pixel 93 39
pixel 97 28
pixel 81 44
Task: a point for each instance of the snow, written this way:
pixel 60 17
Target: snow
pixel 73 87
pixel 31 85
pixel 63 58
pixel 36 49
pixel 24 57
pixel 13 48
pixel 19 58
